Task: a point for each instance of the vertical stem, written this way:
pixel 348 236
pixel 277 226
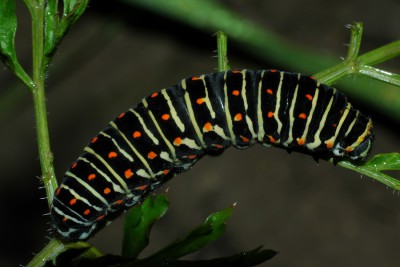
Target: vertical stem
pixel 347 66
pixel 355 41
pixel 39 100
pixel 222 47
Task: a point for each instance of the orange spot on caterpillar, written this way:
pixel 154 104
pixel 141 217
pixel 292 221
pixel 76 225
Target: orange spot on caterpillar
pixel 218 146
pixel 72 201
pixel 121 115
pixel 128 173
pixel 273 70
pixel 312 78
pixel 155 94
pixel 191 156
pixel 207 127
pixel 86 212
pixel 236 71
pixel 235 92
pixel 101 217
pixel 137 134
pixel 58 191
pixel 74 165
pixel 107 191
pixel 200 101
pixel 91 176
pixel 244 139
pixel 271 139
pixel 300 141
pixel 151 155
pixel 309 97
pixel 165 117
pixel 270 114
pixel 142 187
pixel 165 172
pixel 94 139
pixel 334 125
pixel 119 201
pixel 177 141
pixel 65 219
pixel 238 117
pixel 349 149
pixel 303 116
pixel 269 91
pixel 112 154
pixel 195 78
pixel 329 144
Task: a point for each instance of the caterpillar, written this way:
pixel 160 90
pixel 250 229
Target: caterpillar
pixel 169 130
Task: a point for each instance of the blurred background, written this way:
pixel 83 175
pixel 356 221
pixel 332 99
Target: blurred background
pixel 314 214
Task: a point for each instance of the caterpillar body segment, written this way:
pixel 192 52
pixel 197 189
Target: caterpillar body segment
pixel 169 130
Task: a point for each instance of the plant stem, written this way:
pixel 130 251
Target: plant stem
pixel 355 64
pixel 39 100
pixel 53 248
pixel 222 46
pixel 381 177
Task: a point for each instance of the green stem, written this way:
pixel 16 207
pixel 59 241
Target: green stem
pixel 54 247
pixel 381 75
pixel 355 41
pixel 347 66
pixel 381 177
pixel 381 54
pixel 222 46
pixel 355 64
pixel 39 100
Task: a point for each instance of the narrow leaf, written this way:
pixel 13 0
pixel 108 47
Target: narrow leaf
pixel 199 237
pixel 57 27
pixel 384 162
pixel 138 224
pixel 73 9
pixel 51 27
pixel 8 28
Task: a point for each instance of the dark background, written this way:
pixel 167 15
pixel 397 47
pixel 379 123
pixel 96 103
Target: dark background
pixel 315 214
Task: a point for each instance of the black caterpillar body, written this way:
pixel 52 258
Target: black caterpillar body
pixel 169 130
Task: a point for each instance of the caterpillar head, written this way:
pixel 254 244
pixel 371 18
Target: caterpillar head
pixel 359 149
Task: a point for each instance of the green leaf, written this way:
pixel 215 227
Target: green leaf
pixel 8 28
pixel 57 27
pixel 138 224
pixel 73 9
pixel 210 230
pixel 52 38
pixel 374 167
pixel 384 162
